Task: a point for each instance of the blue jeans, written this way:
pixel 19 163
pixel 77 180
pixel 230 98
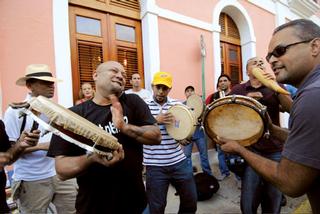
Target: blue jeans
pixel 256 190
pixel 180 176
pixel 224 170
pixel 199 139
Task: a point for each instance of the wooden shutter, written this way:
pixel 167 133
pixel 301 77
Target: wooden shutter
pixel 229 30
pixel 130 4
pixel 128 53
pixel 88 49
pixel 90 55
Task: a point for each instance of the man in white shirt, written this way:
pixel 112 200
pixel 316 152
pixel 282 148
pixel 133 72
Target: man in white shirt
pixel 136 88
pixel 35 184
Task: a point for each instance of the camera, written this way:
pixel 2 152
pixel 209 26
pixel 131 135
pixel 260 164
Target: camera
pixel 236 164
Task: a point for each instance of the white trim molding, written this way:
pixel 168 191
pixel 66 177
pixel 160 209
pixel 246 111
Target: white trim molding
pixel 304 8
pixel 62 51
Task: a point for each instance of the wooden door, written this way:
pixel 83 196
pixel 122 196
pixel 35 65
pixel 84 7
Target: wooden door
pixel 231 62
pixel 97 37
pixel 230 49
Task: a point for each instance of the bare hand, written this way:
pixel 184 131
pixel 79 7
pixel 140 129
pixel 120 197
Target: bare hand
pixel 184 142
pixel 165 118
pixel 117 155
pixel 5 158
pixel 229 146
pixel 255 95
pixel 117 112
pixel 28 139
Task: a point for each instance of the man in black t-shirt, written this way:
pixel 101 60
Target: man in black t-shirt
pixel 109 186
pixel 9 154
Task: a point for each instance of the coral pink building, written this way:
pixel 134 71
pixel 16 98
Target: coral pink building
pixel 146 36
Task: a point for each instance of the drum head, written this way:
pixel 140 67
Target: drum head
pixel 234 121
pixel 184 125
pixel 196 104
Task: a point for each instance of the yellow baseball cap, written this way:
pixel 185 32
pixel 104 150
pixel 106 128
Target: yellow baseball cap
pixel 162 78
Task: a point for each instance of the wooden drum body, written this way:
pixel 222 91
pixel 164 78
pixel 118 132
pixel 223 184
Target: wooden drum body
pixel 235 117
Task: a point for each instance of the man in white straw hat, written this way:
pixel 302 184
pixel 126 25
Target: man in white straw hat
pixel 35 184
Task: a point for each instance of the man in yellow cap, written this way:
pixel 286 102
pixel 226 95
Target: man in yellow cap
pixel 166 163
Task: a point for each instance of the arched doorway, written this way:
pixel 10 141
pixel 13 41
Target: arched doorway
pixel 230 49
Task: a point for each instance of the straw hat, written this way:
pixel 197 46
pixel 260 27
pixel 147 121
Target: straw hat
pixel 37 71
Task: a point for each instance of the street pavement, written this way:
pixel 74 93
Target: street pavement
pixel 227 199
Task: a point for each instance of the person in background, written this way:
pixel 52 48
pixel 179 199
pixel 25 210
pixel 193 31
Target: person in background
pixel 86 93
pixel 109 186
pixel 199 139
pixel 35 183
pixel 8 154
pixel 224 88
pixel 136 88
pixel 254 189
pixel 166 163
pixel 294 57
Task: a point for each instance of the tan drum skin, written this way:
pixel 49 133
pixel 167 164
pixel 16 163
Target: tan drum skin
pixel 196 104
pixel 74 125
pixel 235 117
pixel 185 122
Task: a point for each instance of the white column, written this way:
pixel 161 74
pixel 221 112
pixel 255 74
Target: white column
pixel 150 40
pixel 62 51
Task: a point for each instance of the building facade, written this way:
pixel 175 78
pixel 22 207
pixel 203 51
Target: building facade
pixel 194 40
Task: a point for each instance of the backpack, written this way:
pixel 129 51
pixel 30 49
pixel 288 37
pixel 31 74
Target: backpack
pixel 206 185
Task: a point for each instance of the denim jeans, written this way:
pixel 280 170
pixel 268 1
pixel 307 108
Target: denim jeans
pixel 180 176
pixel 256 190
pixel 199 139
pixel 224 170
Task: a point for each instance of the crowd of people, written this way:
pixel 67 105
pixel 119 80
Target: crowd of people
pixel 50 170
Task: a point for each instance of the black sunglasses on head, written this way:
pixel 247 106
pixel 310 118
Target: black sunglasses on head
pixel 280 50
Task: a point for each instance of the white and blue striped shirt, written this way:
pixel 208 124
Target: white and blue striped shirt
pixel 169 152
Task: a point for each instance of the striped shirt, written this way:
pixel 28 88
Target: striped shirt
pixel 169 152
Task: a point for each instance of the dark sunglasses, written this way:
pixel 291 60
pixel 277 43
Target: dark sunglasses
pixel 280 50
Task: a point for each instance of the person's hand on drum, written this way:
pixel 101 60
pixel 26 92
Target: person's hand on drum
pixel 165 118
pixel 29 139
pixel 255 95
pixel 117 155
pixel 184 142
pixel 229 146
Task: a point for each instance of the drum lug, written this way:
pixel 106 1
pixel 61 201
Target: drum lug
pixel 267 134
pixel 233 98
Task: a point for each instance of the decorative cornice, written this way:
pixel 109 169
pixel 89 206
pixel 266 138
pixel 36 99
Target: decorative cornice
pixel 304 8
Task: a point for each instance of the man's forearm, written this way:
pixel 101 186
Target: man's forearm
pixel 15 152
pixel 279 133
pixel 144 134
pixel 70 167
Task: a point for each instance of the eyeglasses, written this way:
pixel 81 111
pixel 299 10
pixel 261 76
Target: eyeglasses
pixel 280 50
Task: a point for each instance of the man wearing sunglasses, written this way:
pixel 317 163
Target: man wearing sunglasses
pixel 294 56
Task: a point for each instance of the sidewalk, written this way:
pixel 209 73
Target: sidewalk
pixel 227 199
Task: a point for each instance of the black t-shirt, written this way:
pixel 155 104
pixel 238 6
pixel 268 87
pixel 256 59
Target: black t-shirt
pixel 4 146
pixel 117 189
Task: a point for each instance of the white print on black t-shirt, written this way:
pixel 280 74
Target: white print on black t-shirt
pixel 111 129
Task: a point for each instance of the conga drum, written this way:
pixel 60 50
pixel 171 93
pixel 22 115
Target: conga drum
pixel 71 126
pixel 184 124
pixel 195 103
pixel 235 117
